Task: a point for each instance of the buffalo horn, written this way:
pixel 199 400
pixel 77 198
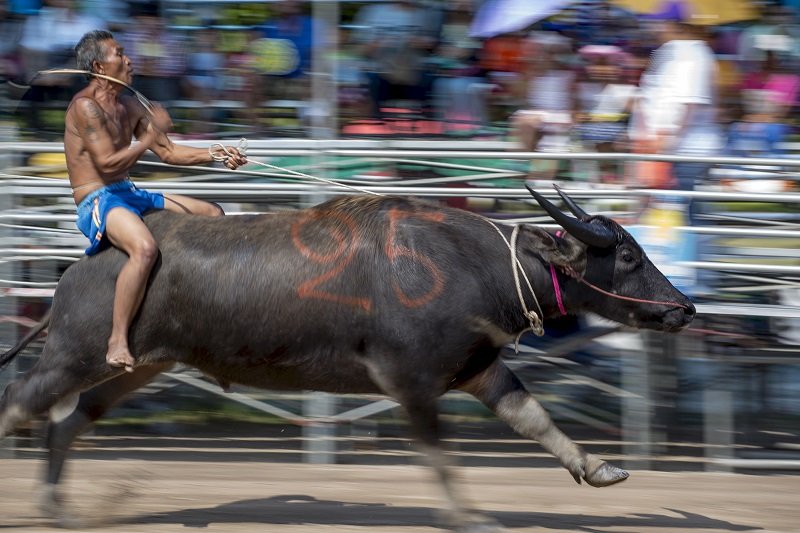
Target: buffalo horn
pixel 576 210
pixel 591 234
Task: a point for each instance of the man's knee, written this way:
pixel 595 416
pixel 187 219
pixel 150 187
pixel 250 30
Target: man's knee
pixel 145 251
pixel 216 210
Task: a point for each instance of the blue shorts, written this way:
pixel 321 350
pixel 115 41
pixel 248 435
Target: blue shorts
pixel 93 210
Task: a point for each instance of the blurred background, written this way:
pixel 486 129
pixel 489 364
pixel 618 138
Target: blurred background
pixel 677 118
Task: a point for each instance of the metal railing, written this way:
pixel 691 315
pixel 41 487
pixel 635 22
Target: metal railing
pixel 16 219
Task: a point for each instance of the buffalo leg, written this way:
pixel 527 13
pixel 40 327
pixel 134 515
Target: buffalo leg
pixel 500 390
pixel 423 417
pixel 64 427
pixel 34 393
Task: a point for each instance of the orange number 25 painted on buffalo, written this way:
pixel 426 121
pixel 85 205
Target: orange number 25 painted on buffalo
pixel 344 234
pixel 395 251
pixel 340 257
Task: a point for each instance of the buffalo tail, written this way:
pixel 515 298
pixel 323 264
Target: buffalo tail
pixel 32 334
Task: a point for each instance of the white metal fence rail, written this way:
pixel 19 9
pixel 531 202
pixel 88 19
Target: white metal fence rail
pixel 24 229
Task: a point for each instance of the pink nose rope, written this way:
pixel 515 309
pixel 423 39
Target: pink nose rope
pixel 629 298
pixel 557 289
pixel 560 301
pixel 556 286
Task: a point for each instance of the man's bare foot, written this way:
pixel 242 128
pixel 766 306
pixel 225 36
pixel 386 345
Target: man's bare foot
pixel 120 356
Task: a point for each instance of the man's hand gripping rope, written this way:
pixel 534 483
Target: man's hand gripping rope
pixel 231 157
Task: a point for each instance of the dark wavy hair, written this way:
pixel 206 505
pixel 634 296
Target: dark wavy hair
pixel 90 49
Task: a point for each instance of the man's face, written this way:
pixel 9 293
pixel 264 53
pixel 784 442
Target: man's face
pixel 116 64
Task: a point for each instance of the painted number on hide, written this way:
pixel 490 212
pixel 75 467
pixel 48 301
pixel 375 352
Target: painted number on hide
pixel 343 234
pixel 338 258
pixel 396 251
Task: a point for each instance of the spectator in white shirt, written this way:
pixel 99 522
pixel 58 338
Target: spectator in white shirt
pixel 676 107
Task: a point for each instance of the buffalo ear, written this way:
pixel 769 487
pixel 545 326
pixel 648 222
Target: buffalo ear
pixel 566 252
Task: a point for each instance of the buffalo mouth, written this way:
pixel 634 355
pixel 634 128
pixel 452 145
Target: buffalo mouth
pixel 672 320
pixel 677 319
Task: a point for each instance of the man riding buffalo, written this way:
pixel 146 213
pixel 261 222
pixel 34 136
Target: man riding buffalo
pixel 99 125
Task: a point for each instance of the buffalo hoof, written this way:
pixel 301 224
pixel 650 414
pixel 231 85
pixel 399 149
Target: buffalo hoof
pixel 481 528
pixel 481 524
pixel 52 506
pixel 605 475
pixel 469 522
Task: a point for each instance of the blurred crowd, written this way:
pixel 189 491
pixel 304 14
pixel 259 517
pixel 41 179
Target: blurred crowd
pixel 593 76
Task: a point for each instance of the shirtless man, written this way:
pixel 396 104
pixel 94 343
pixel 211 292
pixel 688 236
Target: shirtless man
pixel 99 125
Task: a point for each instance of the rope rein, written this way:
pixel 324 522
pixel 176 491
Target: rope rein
pixel 148 105
pixel 534 319
pixel 242 147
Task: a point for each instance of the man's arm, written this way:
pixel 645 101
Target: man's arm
pixel 91 124
pixel 176 154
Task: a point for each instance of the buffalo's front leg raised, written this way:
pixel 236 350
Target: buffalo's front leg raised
pixel 500 390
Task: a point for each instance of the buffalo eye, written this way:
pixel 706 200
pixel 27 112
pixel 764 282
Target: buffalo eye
pixel 627 256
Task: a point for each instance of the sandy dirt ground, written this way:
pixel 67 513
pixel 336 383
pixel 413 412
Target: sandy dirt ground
pixel 164 497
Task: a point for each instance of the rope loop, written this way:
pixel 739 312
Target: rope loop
pixel 215 148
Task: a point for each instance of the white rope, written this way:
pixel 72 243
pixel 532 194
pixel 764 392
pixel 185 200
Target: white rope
pixel 148 105
pixel 534 320
pixel 215 148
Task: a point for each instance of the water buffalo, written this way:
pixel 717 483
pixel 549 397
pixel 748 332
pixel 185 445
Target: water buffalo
pixel 361 294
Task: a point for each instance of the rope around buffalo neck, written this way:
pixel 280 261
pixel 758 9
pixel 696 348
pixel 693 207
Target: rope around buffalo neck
pixel 534 320
pixel 242 147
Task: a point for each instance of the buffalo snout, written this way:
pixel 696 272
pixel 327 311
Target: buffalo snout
pixel 679 318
